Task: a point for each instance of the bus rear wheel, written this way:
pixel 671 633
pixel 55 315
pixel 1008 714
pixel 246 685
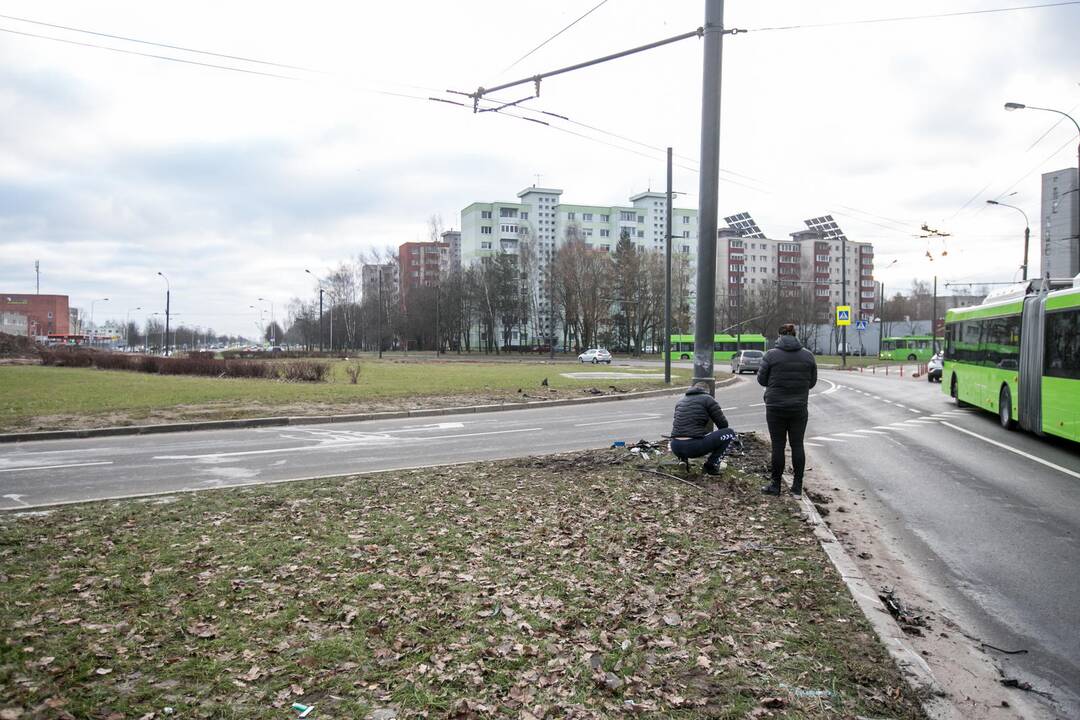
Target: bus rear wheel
pixel 912 357
pixel 954 392
pixel 1005 409
pixel 684 356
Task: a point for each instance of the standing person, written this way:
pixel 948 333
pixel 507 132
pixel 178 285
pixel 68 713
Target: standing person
pixel 788 371
pixel 690 437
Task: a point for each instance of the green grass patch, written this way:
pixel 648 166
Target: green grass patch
pixel 35 397
pixel 571 585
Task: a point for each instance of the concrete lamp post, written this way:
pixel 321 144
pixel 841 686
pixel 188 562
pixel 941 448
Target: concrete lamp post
pixel 92 333
pixel 1027 232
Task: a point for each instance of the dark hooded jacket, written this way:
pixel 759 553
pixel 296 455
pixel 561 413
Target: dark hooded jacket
pixel 788 371
pixel 693 413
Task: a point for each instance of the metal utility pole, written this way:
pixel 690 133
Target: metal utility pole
pixel 843 299
pixel 438 339
pixel 708 192
pixel 321 323
pixel 881 324
pixel 667 279
pixel 168 293
pixel 378 337
pixel 933 312
pixel 551 307
pixel 37 274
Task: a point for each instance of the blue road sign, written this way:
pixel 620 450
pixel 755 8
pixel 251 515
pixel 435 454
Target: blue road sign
pixel 861 325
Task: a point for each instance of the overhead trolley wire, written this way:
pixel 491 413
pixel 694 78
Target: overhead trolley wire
pixel 908 18
pixel 560 32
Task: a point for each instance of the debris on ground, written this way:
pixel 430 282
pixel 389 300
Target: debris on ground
pixel 908 621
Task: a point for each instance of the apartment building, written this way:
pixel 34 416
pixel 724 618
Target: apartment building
pixel 1060 206
pixel 369 279
pixel 452 240
pixel 748 262
pixel 541 218
pixel 421 264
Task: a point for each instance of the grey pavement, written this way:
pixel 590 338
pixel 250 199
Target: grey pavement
pixel 991 515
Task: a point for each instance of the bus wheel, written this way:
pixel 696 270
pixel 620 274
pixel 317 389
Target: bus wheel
pixel 954 392
pixel 684 356
pixel 1005 409
pixel 912 357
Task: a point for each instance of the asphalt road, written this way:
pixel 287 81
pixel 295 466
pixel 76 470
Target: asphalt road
pixel 991 515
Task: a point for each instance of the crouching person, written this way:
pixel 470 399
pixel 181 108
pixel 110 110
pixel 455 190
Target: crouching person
pixel 689 431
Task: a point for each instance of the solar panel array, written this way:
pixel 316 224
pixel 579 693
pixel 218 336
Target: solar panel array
pixel 745 225
pixel 827 227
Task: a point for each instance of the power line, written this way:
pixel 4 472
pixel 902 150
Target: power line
pixel 906 18
pixel 157 44
pixel 148 55
pixel 590 12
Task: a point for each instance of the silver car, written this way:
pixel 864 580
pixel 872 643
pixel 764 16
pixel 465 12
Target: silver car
pixel 746 360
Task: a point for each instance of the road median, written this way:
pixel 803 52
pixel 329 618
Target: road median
pixel 565 585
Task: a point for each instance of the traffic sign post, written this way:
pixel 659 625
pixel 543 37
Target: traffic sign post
pixel 843 315
pixel 861 325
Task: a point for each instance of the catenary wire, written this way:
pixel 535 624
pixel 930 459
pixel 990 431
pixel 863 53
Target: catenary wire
pixel 560 32
pixel 907 18
pixel 158 44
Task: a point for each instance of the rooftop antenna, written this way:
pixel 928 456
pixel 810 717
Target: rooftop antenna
pixel 37 274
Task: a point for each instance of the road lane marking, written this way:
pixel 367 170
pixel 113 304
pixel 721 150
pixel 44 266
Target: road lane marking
pixel 623 420
pixel 810 444
pixel 54 467
pixel 328 446
pixel 847 435
pixel 17 499
pixel 827 439
pixel 872 432
pixel 913 410
pixel 882 427
pixel 1029 456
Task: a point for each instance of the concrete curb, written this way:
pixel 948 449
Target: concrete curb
pixel 914 669
pixel 323 419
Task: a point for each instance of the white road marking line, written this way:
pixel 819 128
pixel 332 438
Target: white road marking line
pixel 758 405
pixel 623 420
pixel 882 427
pixel 54 467
pixel 914 410
pixel 876 397
pixel 812 444
pixel 17 499
pixel 827 439
pixel 871 432
pixel 325 446
pixel 857 437
pixel 1039 460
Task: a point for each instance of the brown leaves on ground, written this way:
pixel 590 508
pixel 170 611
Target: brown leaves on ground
pixel 568 586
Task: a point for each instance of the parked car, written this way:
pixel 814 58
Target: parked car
pixel 746 360
pixel 595 355
pixel 933 368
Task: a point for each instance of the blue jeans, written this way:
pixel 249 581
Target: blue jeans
pixel 715 444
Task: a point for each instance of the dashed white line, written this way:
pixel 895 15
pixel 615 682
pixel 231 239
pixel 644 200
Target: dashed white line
pixel 872 432
pixel 827 439
pixel 813 444
pixel 847 435
pixel 1003 446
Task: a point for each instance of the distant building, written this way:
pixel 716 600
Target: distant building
pixel 369 280
pixel 748 262
pixel 45 314
pixel 452 240
pixel 421 264
pixel 14 324
pixel 1060 206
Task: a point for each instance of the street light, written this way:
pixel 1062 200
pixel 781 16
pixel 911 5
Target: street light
pixel 168 294
pixel 92 318
pixel 1010 106
pixel 127 326
pixel 273 327
pixel 319 285
pixel 1027 232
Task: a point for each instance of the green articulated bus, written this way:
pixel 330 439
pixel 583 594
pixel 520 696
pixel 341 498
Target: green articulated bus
pixel 1018 354
pixel 910 347
pixel 724 346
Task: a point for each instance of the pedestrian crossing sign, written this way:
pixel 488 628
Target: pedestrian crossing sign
pixel 843 314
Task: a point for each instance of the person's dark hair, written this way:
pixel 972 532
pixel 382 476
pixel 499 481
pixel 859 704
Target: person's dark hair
pixel 787 329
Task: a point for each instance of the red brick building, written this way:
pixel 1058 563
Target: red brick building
pixel 420 265
pixel 45 314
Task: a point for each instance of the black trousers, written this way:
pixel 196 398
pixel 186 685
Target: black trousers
pixel 785 426
pixel 714 445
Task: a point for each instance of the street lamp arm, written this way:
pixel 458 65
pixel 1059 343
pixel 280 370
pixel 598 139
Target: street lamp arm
pixel 1020 210
pixel 1059 112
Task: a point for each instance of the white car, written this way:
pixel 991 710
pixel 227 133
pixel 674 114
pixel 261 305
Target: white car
pixel 595 355
pixel 934 367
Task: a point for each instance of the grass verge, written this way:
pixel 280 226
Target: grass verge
pixel 44 398
pixel 563 586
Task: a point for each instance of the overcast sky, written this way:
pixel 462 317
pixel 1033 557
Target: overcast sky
pixel 115 166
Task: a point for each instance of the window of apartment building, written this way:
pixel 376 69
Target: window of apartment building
pixel 571 216
pixel 605 248
pixel 821 258
pixel 789 247
pixel 508 212
pixel 686 249
pixel 508 228
pixel 686 233
pixel 586 217
pixel 627 216
pixel 486 245
pixel 641 233
pixel 604 232
pixel 485 214
pixel 685 219
pixel 641 218
pixel 588 232
pixel 524 216
pixel 485 229
pixel 605 218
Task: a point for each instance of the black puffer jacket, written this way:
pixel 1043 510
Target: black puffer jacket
pixel 693 413
pixel 788 371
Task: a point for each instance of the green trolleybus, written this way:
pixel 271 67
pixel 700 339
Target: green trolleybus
pixel 724 346
pixel 910 347
pixel 1018 354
